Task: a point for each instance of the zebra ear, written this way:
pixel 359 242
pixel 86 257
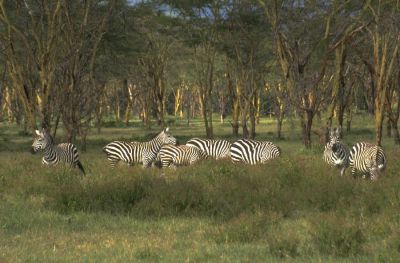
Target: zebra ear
pixel 37 132
pixel 166 129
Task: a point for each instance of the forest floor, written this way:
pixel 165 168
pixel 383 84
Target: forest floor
pixel 293 209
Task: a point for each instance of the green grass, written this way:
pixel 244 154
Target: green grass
pixel 294 209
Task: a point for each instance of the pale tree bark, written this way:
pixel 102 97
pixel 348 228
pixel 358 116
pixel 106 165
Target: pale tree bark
pixel 384 40
pixel 205 79
pixel 294 56
pixel 41 42
pixel 279 94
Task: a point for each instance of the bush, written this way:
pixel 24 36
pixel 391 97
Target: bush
pixel 335 236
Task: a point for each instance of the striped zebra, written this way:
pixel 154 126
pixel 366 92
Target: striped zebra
pixel 367 158
pixel 253 152
pixel 138 152
pixel 336 154
pixel 173 156
pixel 216 149
pixel 53 154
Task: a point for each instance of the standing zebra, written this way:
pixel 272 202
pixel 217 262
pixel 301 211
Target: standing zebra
pixel 173 156
pixel 336 154
pixel 138 152
pixel 216 149
pixel 253 152
pixel 53 154
pixel 369 159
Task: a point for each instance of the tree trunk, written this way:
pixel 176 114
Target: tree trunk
pixel 209 112
pixel 279 122
pixel 306 124
pixel 378 126
pixel 254 112
pixel 349 119
pixel 396 133
pixel 83 142
pixel 388 128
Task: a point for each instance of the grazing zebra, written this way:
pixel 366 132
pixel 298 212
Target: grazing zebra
pixel 336 154
pixel 253 152
pixel 138 152
pixel 369 159
pixel 216 149
pixel 53 154
pixel 173 156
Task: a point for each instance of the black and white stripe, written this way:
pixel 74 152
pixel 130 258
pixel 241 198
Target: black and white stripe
pixel 53 154
pixel 253 152
pixel 138 152
pixel 336 154
pixel 173 156
pixel 216 149
pixel 367 158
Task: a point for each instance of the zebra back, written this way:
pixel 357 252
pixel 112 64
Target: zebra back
pixel 172 155
pixel 216 149
pixel 254 152
pixel 138 152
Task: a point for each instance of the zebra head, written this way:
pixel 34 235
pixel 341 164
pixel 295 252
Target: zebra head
pixel 334 135
pixel 166 137
pixel 375 173
pixel 42 140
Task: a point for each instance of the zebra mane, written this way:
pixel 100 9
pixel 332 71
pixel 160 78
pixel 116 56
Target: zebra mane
pixel 48 137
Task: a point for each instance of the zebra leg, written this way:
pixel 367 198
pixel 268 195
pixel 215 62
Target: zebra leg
pixel 342 170
pixel 353 172
pixel 147 163
pixel 80 167
pixel 173 166
pixel 374 174
pixel 113 162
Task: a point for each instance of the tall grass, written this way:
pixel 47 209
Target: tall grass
pixel 292 209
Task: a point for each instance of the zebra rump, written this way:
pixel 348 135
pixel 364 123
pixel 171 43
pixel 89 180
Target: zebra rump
pixel 369 159
pixel 254 152
pixel 173 156
pixel 216 149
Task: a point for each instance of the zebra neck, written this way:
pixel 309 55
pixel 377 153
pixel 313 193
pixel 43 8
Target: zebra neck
pixel 49 151
pixel 156 143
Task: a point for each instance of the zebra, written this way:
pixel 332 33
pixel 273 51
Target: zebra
pixel 173 156
pixel 369 159
pixel 138 152
pixel 216 149
pixel 53 154
pixel 336 154
pixel 253 152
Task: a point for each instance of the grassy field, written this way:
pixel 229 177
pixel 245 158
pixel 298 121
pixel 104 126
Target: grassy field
pixel 294 209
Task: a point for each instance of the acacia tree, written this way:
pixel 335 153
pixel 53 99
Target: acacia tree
pixel 244 42
pixel 278 91
pixel 201 21
pixel 382 38
pixel 305 36
pixel 30 39
pixel 393 102
pixel 85 25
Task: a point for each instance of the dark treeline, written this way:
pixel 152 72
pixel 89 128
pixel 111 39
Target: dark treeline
pixel 77 62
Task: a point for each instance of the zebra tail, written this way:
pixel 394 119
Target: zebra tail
pixel 79 164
